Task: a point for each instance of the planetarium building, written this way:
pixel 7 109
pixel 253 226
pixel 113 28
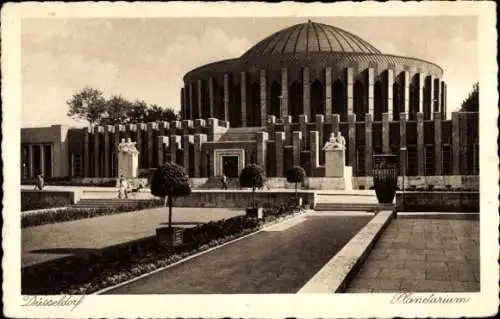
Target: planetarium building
pixel 277 105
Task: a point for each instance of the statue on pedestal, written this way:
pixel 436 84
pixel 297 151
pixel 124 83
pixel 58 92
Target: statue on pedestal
pixel 127 147
pixel 336 142
pixel 127 159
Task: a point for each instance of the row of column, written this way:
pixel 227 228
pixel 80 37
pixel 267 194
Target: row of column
pixel 31 160
pixel 144 136
pixel 301 140
pixel 430 101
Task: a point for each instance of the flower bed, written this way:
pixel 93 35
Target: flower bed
pixel 96 270
pixel 67 214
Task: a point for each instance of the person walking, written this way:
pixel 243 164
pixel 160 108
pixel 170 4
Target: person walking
pixel 40 183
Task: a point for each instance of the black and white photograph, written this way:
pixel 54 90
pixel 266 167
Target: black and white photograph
pixel 250 160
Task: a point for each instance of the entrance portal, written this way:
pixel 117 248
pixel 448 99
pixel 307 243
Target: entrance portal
pixel 230 166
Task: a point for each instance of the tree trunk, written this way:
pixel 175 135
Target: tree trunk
pixel 169 212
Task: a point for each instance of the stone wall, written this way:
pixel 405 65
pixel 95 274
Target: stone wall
pixel 437 201
pixel 456 181
pixel 240 198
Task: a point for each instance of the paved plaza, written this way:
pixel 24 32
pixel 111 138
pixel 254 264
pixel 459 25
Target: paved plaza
pixel 423 255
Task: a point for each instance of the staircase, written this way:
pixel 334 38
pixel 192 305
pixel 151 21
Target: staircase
pixel 350 202
pixel 215 183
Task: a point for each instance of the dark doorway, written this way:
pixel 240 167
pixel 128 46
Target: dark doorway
pixel 230 166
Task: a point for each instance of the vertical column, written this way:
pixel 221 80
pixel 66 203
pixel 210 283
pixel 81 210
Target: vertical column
pixel 287 127
pixel 262 138
pixel 437 96
pixel 421 82
pixel 31 170
pixel 438 149
pixel 403 118
pixel 350 90
pixel 320 119
pixel 86 151
pixel 42 159
pixel 464 147
pixel 108 129
pixel 200 100
pixel 263 97
pixel 226 97
pixel 191 106
pixel 116 142
pixel 328 92
pixel 444 108
pixel 96 151
pixel 211 95
pixel 406 91
pixel 280 140
pixel 284 92
pixel 138 143
pixel 430 100
pixel 420 145
pixel 455 143
pixel 306 110
pixel 186 141
pixel 174 144
pixel 386 148
pixel 303 129
pixel 314 148
pixel 441 100
pixel 159 149
pixel 389 81
pixel 351 118
pixel 335 123
pixel 371 81
pixel 297 147
pixel 199 140
pixel 183 103
pixel 151 126
pixel 368 144
pixel 243 86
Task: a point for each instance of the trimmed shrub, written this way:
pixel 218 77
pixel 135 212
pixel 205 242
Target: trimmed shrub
pixel 168 181
pixel 295 175
pixel 252 176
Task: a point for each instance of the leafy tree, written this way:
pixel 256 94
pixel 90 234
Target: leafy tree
pixel 157 113
pixel 169 181
pixel 117 109
pixel 295 175
pixel 252 176
pixel 138 111
pixel 87 104
pixel 471 103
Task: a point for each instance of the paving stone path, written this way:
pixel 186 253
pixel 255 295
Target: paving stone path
pixel 423 255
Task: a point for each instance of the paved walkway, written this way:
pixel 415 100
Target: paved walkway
pixel 278 260
pixel 53 241
pixel 423 255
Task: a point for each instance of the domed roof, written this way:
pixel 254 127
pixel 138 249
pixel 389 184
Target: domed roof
pixel 310 37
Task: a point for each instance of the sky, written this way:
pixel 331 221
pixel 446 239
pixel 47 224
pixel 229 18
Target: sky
pixel 146 58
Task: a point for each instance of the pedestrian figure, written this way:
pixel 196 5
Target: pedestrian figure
pixel 40 183
pixel 122 188
pixel 224 181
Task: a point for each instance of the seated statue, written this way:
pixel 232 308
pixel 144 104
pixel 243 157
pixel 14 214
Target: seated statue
pixel 336 141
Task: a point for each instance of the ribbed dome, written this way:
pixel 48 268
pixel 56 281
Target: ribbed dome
pixel 310 37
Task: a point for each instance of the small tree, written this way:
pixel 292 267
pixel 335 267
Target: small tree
pixel 295 175
pixel 471 103
pixel 169 181
pixel 89 104
pixel 252 176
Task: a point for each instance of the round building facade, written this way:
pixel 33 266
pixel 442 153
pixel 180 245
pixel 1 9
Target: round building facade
pixel 313 69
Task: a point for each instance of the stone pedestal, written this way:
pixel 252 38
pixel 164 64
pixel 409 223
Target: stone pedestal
pixel 334 162
pixel 128 159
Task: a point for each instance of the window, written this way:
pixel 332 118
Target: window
pixel 360 162
pixel 447 160
pixel 412 163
